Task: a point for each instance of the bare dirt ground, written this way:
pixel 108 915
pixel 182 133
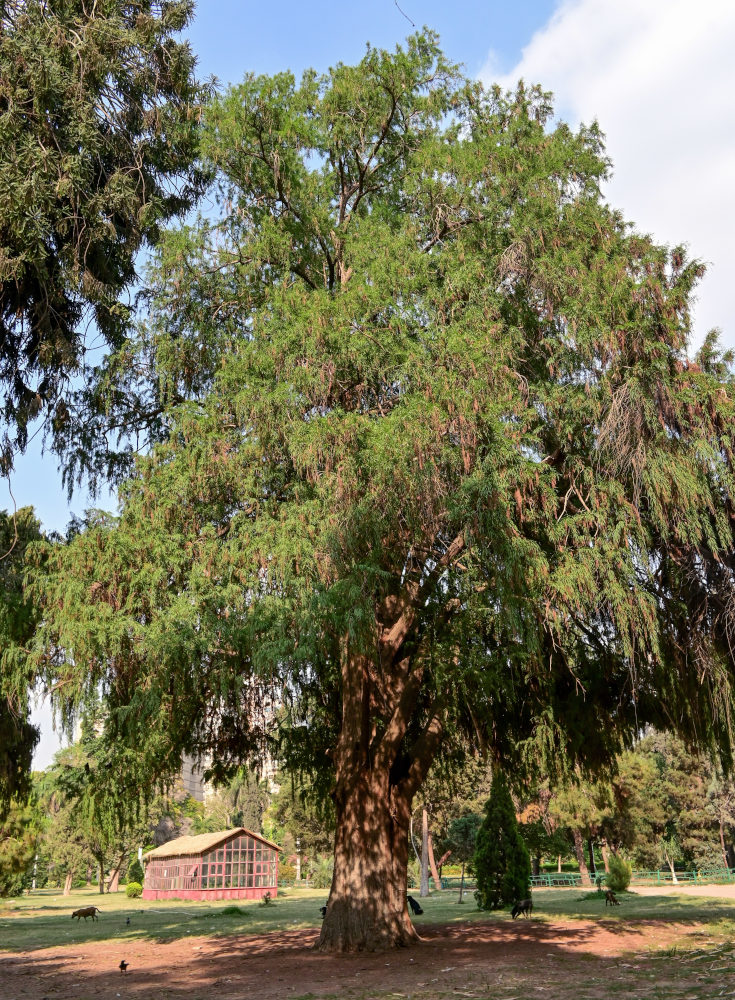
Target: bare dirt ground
pixel 563 960
pixel 580 959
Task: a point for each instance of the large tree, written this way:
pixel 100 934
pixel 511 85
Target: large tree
pixel 99 114
pixel 440 465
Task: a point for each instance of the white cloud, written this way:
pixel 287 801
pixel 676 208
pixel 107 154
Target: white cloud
pixel 659 76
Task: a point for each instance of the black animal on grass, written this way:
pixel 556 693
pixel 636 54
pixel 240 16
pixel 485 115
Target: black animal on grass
pixel 323 911
pixel 525 906
pixel 610 898
pixel 415 908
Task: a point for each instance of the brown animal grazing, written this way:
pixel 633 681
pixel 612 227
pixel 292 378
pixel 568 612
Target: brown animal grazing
pixel 124 966
pixel 525 906
pixel 610 898
pixel 86 911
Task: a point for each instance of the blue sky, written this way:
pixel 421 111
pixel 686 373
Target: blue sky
pixel 233 37
pixel 658 74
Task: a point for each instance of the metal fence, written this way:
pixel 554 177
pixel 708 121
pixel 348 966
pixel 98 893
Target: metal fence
pixel 661 877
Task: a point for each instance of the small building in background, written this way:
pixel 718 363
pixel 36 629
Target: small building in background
pixel 231 864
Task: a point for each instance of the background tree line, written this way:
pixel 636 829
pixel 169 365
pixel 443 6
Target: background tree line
pixel 664 806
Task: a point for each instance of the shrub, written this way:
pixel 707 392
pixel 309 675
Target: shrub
pixel 501 862
pixel 322 870
pixel 286 873
pixel 133 890
pixel 618 877
pixel 135 871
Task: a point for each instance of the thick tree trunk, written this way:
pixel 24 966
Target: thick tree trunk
pixel 591 848
pixel 536 865
pixel 367 907
pixel 68 881
pixel 379 768
pixel 579 854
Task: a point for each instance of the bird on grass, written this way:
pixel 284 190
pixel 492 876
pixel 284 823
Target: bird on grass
pixel 128 921
pixel 124 966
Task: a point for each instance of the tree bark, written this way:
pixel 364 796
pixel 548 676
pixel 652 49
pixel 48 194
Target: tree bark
pixel 377 774
pixel 432 865
pixel 367 907
pixel 380 765
pixel 424 887
pixel 591 848
pixel 605 855
pixel 579 854
pixel 68 881
pixel 670 863
pixel 113 884
pixel 101 865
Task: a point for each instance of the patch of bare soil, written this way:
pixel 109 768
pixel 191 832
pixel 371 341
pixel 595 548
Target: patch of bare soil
pixel 524 958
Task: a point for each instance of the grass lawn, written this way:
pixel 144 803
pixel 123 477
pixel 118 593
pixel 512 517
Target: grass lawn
pixel 651 947
pixel 42 920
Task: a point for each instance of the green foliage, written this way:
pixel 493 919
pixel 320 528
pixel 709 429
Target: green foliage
pixel 135 871
pixel 99 118
pixel 413 879
pixel 501 863
pixel 239 801
pixel 321 871
pixel 620 871
pixel 409 298
pixel 423 391
pixel 98 814
pixel 18 845
pixel 286 873
pixel 133 890
pixel 18 618
pixel 298 810
pixel 462 837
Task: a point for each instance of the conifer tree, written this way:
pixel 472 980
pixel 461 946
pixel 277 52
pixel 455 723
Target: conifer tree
pixel 99 113
pixel 438 467
pixel 18 617
pixel 501 862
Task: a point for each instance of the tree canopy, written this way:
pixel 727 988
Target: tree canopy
pixel 99 118
pixel 439 466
